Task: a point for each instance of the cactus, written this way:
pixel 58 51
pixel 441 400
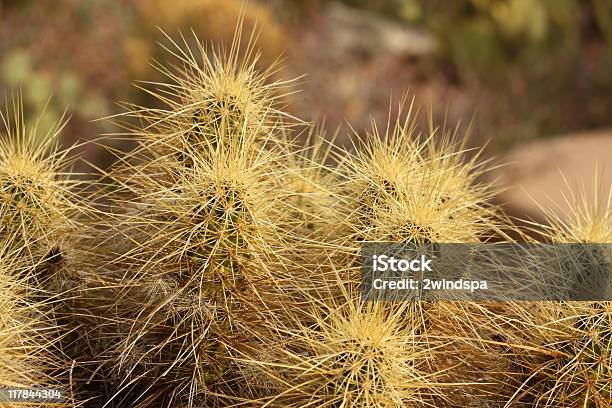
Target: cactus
pixel 37 200
pixel 310 181
pixel 342 352
pixel 206 243
pixel 40 233
pixel 30 356
pixel 569 361
pixel 405 190
pixel 222 269
pixel 212 95
pixel 203 232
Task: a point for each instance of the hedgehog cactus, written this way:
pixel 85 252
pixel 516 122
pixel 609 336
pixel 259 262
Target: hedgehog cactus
pixel 225 269
pixel 36 199
pixel 403 186
pixel 587 362
pixel 212 96
pixel 342 352
pixel 309 182
pixel 202 207
pixel 38 219
pixel 562 349
pixel 40 205
pixel 573 364
pixel 207 243
pixel 402 189
pixel 30 356
pixel 361 356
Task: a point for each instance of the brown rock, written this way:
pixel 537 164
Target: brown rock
pixel 541 174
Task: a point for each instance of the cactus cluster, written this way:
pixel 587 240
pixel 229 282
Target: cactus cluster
pixel 38 212
pixel 217 264
pixel 568 344
pixel 27 334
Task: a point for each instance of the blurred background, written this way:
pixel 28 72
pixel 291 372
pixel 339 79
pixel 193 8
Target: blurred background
pixel 536 75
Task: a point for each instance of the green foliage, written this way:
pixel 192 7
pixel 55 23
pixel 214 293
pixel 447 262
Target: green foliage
pixel 19 70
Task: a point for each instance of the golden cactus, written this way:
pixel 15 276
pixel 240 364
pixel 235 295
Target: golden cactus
pixel 568 360
pixel 339 351
pixel 402 189
pixel 211 95
pixel 224 271
pixel 200 232
pixel 37 199
pixel 30 356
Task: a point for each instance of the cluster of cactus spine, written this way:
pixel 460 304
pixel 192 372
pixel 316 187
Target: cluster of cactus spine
pixel 404 189
pixel 34 207
pixel 26 341
pixel 353 354
pixel 222 266
pixel 38 208
pixel 203 237
pixel 568 359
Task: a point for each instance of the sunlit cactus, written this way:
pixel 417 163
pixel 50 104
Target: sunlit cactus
pixel 37 199
pixel 402 189
pixel 200 234
pixel 339 351
pixel 221 265
pixel 310 182
pixel 30 356
pixel 206 242
pixel 568 360
pixel 212 95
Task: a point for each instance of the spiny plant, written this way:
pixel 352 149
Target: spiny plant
pixel 589 218
pixel 41 206
pixel 562 354
pixel 407 187
pixel 310 182
pixel 211 206
pixel 40 227
pixel 477 357
pixel 331 349
pixel 199 232
pixel 571 342
pixel 211 94
pixel 205 241
pixel 226 267
pixel 402 189
pixel 342 352
pixel 38 203
pixel 29 335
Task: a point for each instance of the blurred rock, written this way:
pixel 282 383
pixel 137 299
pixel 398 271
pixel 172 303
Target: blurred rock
pixel 361 30
pixel 542 173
